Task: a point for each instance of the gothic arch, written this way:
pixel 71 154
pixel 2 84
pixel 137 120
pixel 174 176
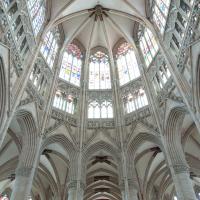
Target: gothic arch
pixel 3 92
pixel 173 135
pixel 63 141
pixel 139 140
pixel 101 145
pixel 196 83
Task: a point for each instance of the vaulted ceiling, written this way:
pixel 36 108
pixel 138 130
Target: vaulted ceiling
pixel 73 14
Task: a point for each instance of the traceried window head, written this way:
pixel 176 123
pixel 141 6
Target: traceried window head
pixel 100 110
pixel 160 13
pixel 99 71
pixel 37 14
pixel 65 102
pixel 71 65
pixel 49 47
pixel 135 101
pixel 126 63
pixel 161 77
pixel 148 45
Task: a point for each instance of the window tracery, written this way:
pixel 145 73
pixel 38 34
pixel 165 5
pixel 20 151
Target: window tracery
pixel 99 71
pixel 49 47
pixel 134 101
pixel 160 13
pixel 100 109
pixel 37 13
pixel 126 63
pixel 71 65
pixel 148 45
pixel 39 80
pixel 161 77
pixel 65 102
pixel 16 27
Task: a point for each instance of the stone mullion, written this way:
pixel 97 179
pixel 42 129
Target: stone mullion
pixel 180 81
pixel 24 173
pixel 158 121
pixel 20 90
pixel 178 78
pixel 119 117
pixel 173 168
pixel 77 185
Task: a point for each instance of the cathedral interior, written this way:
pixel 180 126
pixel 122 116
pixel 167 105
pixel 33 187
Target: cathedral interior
pixel 100 99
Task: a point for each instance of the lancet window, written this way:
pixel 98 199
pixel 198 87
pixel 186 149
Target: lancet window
pixel 161 77
pixel 39 80
pixel 71 65
pixel 183 16
pixel 134 101
pixel 100 109
pixel 65 102
pixel 148 45
pixel 126 63
pixel 49 47
pixel 37 13
pixel 99 71
pixel 160 13
pixel 16 26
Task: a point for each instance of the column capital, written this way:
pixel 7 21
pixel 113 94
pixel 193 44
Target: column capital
pixel 122 185
pixel 74 183
pixel 180 168
pixel 24 171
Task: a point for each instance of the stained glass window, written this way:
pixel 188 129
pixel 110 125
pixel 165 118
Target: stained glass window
pixel 160 13
pixel 148 45
pixel 49 48
pixel 100 110
pixel 37 13
pixel 71 65
pixel 127 63
pixel 65 102
pixel 99 71
pixel 135 101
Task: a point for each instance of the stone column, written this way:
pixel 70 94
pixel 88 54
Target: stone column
pixel 182 182
pixel 132 190
pixel 75 193
pixel 179 170
pixel 25 171
pixel 122 188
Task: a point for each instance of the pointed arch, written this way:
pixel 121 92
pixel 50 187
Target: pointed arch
pixel 4 90
pixel 139 140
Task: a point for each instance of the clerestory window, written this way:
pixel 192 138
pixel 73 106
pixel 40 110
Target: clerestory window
pixel 49 47
pixel 99 71
pixel 135 101
pixel 126 63
pixel 160 13
pixel 71 65
pixel 37 13
pixel 100 110
pixel 65 102
pixel 148 45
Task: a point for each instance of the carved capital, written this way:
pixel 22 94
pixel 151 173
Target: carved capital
pixel 180 168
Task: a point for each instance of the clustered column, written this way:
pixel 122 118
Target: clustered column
pixel 179 170
pixel 26 168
